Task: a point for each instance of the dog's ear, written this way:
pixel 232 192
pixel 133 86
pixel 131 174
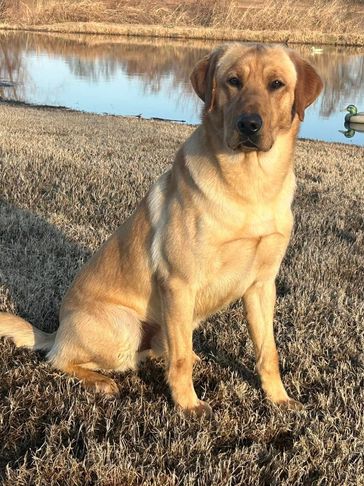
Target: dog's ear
pixel 308 86
pixel 203 77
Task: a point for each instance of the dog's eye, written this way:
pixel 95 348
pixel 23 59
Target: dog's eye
pixel 234 81
pixel 276 84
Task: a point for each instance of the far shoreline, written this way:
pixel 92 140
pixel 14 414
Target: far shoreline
pixel 200 33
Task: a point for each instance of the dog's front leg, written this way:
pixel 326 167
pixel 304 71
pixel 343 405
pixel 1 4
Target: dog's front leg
pixel 178 300
pixel 259 301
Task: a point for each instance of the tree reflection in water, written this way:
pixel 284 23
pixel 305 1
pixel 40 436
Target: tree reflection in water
pixel 12 73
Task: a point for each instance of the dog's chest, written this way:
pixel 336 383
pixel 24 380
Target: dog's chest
pixel 228 271
pixel 224 277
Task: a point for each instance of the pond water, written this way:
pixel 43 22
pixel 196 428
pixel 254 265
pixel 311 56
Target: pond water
pixel 150 78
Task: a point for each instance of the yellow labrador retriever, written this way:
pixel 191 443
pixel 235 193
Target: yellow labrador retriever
pixel 212 229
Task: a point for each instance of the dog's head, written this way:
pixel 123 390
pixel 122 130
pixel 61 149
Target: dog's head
pixel 253 93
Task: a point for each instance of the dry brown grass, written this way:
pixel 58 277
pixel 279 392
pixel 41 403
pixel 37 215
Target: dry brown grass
pixel 290 16
pixel 202 33
pixel 67 180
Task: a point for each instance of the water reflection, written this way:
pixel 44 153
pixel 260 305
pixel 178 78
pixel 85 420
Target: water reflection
pixel 343 75
pixel 352 128
pixel 151 77
pixel 12 72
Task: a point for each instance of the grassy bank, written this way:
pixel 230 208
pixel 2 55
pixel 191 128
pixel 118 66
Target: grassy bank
pixel 218 34
pixel 67 180
pixel 288 21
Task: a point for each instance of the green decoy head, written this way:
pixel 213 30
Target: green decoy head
pixel 352 109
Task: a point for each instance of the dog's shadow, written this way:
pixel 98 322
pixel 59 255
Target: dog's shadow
pixel 213 357
pixel 223 357
pixel 37 264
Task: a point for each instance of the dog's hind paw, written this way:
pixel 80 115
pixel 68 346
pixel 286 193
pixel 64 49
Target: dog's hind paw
pixel 104 385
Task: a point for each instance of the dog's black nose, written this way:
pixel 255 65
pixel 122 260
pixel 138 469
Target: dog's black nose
pixel 249 124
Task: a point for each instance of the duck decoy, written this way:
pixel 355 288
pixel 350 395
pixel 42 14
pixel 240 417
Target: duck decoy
pixel 354 116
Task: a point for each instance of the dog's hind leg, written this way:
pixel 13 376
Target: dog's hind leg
pixel 107 339
pixel 93 380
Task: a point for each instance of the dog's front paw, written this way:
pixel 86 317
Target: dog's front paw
pixel 201 408
pixel 290 404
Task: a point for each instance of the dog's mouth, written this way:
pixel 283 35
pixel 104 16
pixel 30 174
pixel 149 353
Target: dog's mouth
pixel 245 146
pixel 238 143
pixel 249 144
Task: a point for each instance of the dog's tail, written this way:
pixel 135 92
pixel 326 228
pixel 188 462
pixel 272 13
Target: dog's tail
pixel 24 334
